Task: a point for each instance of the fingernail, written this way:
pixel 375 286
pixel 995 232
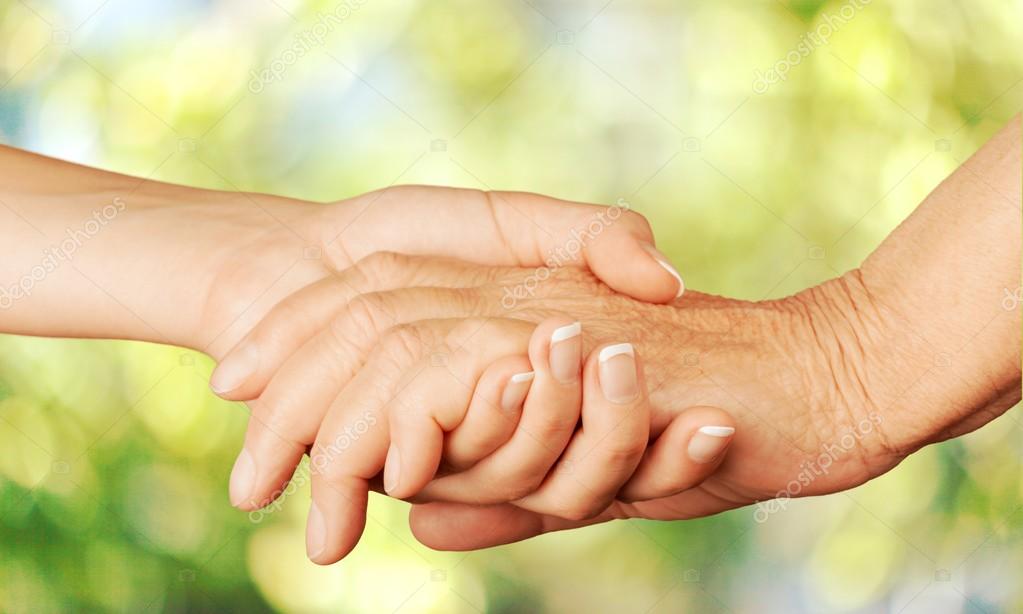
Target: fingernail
pixel 315 533
pixel 243 478
pixel 235 369
pixel 709 442
pixel 663 261
pixel 618 373
pixel 566 352
pixel 515 392
pixel 392 469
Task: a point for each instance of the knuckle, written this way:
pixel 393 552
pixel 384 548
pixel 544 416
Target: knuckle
pixel 326 462
pixel 659 484
pixel 622 454
pixel 577 510
pixel 332 473
pixel 275 326
pixel 269 411
pixel 471 333
pixel 634 219
pixel 522 483
pixel 381 267
pixel 362 319
pixel 554 427
pixel 322 463
pixel 403 344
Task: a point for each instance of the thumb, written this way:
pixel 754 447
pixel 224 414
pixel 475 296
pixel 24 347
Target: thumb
pixel 514 229
pixel 614 242
pixel 625 258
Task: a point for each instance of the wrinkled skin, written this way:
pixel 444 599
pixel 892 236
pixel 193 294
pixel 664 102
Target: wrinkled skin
pixel 795 373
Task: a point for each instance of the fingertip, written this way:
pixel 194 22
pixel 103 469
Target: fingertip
pixel 709 442
pixel 263 468
pixel 703 433
pixel 493 413
pixel 503 385
pixel 413 457
pixel 555 350
pixel 558 327
pixel 392 470
pixel 663 262
pixel 230 379
pixel 633 266
pixel 515 392
pixel 316 535
pixel 336 520
pixel 243 480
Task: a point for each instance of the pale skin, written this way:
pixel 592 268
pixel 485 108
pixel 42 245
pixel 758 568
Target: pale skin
pixel 198 268
pixel 796 374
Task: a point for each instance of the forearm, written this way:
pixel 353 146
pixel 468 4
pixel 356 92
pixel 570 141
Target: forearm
pixel 97 254
pixel 940 281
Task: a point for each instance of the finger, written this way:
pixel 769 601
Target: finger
pixel 255 484
pixel 437 399
pixel 512 228
pixel 351 445
pixel 549 418
pixel 493 413
pixel 401 372
pixel 292 408
pixel 688 451
pixel 458 526
pixel 602 455
pixel 248 367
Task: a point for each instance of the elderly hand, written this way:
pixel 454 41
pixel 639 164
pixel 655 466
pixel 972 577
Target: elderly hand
pixel 787 371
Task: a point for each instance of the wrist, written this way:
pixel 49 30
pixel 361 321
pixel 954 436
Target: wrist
pixel 118 257
pixel 258 249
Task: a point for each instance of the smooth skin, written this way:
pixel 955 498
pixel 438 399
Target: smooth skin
pixel 198 268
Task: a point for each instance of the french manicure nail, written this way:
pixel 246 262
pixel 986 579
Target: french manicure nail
pixel 618 378
pixel 315 533
pixel 392 469
pixel 566 352
pixel 663 261
pixel 515 392
pixel 243 478
pixel 235 369
pixel 709 442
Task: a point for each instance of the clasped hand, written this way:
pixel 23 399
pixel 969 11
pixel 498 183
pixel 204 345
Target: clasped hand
pixel 415 376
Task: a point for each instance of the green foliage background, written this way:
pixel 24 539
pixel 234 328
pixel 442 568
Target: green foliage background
pixel 114 457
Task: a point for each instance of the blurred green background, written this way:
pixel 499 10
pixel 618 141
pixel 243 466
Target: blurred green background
pixel 114 457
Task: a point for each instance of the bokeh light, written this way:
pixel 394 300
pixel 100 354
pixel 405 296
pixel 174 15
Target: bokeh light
pixel 114 456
